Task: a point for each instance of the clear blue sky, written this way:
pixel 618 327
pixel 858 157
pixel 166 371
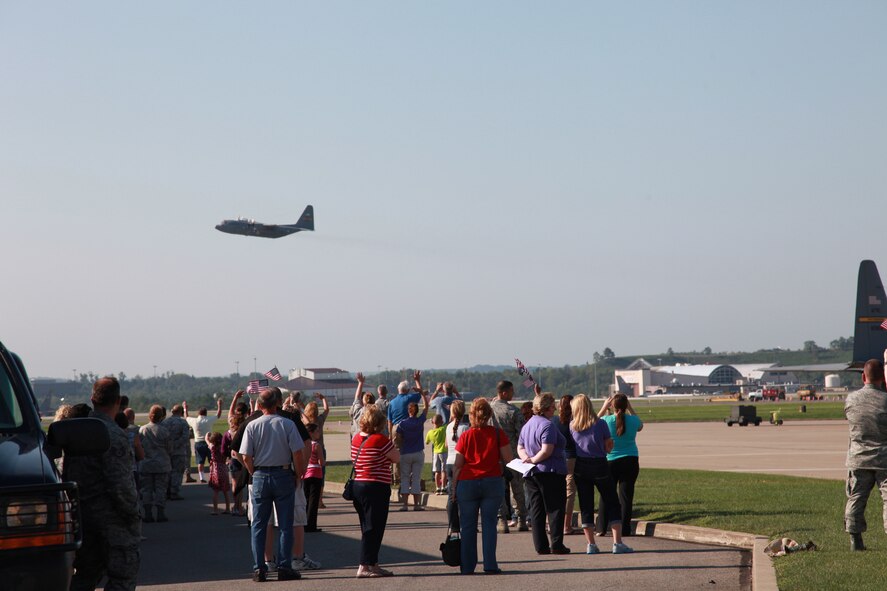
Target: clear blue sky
pixel 490 180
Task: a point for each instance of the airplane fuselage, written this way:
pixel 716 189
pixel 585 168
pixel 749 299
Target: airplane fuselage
pixel 248 228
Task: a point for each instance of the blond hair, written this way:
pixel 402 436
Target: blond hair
pixel 371 419
pixel 583 413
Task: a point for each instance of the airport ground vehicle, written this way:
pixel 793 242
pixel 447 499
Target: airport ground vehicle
pixel 774 393
pixel 807 393
pixel 743 415
pixel 756 396
pixel 39 513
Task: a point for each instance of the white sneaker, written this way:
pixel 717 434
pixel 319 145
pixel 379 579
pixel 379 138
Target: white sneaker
pixel 305 563
pixel 271 566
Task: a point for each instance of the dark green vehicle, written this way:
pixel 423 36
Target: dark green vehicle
pixel 39 513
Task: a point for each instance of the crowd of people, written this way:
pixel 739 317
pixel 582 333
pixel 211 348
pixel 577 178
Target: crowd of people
pixel 566 450
pixel 273 453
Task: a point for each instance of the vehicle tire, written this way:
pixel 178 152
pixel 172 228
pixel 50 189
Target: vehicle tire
pixel 729 423
pixel 757 422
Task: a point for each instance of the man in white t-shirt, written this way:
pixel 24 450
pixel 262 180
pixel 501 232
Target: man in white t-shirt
pixel 201 425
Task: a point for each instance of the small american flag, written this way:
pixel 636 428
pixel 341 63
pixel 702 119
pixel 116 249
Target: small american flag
pixel 257 386
pixel 273 373
pixel 884 325
pixel 529 382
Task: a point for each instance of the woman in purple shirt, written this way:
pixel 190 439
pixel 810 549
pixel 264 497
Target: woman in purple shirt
pixel 545 485
pixel 593 442
pixel 412 454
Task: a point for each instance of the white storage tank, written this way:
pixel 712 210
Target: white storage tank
pixel 832 380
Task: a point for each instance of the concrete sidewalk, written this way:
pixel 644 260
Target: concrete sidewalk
pixel 196 552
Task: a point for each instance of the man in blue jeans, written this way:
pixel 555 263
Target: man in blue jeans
pixel 271 447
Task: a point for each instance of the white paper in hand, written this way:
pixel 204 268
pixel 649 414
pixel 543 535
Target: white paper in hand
pixel 521 466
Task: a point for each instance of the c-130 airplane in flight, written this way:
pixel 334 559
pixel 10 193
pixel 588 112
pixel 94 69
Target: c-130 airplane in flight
pixel 247 227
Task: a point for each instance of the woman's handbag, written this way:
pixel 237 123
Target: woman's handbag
pixel 348 491
pixel 451 549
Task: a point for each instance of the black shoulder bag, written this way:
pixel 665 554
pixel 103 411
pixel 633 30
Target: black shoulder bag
pixel 348 492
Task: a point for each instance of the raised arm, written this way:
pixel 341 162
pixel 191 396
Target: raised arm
pixel 234 402
pixel 417 377
pixel 360 382
pixel 185 407
pixel 326 405
pixel 219 408
pixel 424 404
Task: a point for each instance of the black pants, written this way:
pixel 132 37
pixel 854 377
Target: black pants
pixel 313 486
pixel 625 473
pixel 594 473
pixel 371 502
pixel 546 495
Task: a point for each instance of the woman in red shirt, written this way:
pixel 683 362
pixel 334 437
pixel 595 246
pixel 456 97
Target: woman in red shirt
pixel 479 486
pixel 372 487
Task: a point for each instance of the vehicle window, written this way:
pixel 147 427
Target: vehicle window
pixel 10 409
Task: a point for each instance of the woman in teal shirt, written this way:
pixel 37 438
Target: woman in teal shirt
pixel 623 459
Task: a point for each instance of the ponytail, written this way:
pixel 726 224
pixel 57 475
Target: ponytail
pixel 620 405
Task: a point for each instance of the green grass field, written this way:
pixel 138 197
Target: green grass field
pixel 773 506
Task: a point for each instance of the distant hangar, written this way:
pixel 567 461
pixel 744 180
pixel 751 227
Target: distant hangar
pixel 641 378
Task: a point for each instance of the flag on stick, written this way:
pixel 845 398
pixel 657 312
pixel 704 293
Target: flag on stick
pixel 884 325
pixel 257 386
pixel 529 382
pixel 273 373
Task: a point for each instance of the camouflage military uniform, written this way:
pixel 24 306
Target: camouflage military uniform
pixel 508 418
pixel 154 469
pixel 109 507
pixel 866 412
pixel 179 451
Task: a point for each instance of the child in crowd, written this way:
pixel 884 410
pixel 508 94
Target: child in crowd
pixel 313 480
pixel 234 465
pixel 218 472
pixel 437 437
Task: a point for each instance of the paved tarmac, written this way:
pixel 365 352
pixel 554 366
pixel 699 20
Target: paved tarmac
pixel 199 552
pixel 797 448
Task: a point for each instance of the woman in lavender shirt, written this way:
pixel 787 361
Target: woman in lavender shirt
pixel 545 485
pixel 593 442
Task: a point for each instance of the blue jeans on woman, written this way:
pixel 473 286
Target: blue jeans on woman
pixel 273 488
pixel 485 495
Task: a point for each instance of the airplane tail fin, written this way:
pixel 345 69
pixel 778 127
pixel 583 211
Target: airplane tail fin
pixel 306 222
pixel 869 339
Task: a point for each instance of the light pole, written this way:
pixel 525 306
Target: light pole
pixel 255 366
pixel 237 368
pixel 155 372
pixel 75 374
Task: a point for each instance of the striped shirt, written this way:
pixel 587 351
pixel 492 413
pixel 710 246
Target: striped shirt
pixel 315 470
pixel 372 465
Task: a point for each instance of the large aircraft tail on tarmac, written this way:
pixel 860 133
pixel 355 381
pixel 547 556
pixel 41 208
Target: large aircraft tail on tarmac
pixel 869 338
pixel 306 222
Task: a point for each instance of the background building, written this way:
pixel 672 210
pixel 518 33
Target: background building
pixel 337 385
pixel 641 378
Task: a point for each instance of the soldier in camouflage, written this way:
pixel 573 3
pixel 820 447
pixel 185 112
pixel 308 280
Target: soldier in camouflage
pixel 155 468
pixel 180 449
pixel 508 418
pixel 109 503
pixel 866 412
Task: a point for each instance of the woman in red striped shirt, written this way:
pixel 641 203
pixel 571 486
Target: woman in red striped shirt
pixel 372 454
